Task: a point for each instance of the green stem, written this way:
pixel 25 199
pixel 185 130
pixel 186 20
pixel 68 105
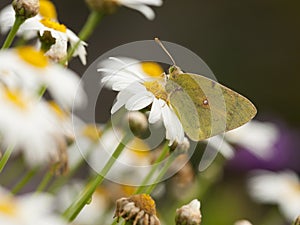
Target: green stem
pixel 163 171
pixel 93 20
pixel 18 187
pixel 71 213
pixel 45 181
pixel 5 157
pixel 13 31
pixel 162 155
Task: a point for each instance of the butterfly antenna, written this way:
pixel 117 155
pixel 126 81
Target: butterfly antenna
pixel 165 50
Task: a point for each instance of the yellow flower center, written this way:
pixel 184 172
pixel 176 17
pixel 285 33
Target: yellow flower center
pixel 47 9
pixel 7 206
pixel 128 190
pixel 152 69
pixel 91 132
pixel 57 110
pixel 144 202
pixel 53 25
pixel 16 98
pixel 157 89
pixel 32 56
pixel 139 148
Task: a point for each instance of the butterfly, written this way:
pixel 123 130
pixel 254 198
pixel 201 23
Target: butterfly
pixel 205 107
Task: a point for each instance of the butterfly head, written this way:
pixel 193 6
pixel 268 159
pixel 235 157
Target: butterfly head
pixel 174 71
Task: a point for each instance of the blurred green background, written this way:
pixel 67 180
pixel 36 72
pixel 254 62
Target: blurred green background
pixel 252 46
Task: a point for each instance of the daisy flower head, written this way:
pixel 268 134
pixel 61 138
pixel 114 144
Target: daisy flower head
pixel 34 71
pixel 28 209
pixel 41 137
pixel 282 189
pixel 141 85
pixel 46 22
pixel 109 6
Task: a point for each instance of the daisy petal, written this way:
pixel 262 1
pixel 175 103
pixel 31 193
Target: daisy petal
pixel 139 101
pixel 155 113
pixel 145 10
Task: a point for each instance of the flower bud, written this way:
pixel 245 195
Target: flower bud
pixel 26 8
pixel 138 123
pixel 189 214
pixel 242 222
pixel 182 147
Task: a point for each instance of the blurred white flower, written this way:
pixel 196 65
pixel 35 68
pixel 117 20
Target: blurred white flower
pixel 35 71
pixel 29 124
pixel 92 212
pixel 46 21
pixel 28 209
pixel 139 90
pixel 255 136
pixel 281 188
pixel 132 165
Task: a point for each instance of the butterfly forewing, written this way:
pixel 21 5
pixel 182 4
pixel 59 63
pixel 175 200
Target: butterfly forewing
pixel 205 107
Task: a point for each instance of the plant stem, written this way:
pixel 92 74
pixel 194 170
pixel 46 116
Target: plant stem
pixel 45 181
pixel 5 157
pixel 93 20
pixel 75 208
pixel 18 187
pixel 13 31
pixel 163 171
pixel 162 155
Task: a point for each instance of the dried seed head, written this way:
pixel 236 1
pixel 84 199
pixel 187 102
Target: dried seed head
pixel 26 8
pixel 189 214
pixel 138 208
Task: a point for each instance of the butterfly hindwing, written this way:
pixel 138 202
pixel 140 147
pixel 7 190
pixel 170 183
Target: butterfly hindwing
pixel 205 107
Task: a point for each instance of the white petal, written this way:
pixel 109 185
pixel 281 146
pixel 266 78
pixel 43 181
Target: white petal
pixel 139 101
pixel 145 2
pixel 219 143
pixel 145 10
pixel 117 106
pixel 155 113
pixel 174 129
pixel 258 137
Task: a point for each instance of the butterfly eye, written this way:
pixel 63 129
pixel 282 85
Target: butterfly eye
pixel 171 69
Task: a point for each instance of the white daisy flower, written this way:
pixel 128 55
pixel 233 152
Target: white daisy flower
pixel 28 209
pixel 35 71
pixel 46 21
pixel 281 188
pixel 29 124
pixel 139 90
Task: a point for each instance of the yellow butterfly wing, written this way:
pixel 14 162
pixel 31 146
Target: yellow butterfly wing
pixel 205 107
